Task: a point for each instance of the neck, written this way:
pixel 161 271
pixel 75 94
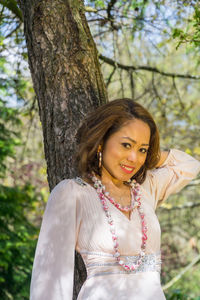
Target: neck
pixel 108 180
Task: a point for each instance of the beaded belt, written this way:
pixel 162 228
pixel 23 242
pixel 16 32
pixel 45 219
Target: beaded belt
pixel 100 263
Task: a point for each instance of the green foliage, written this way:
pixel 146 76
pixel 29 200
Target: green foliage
pixel 12 6
pixel 8 138
pixel 107 9
pixel 18 235
pixel 186 288
pixel 191 35
pixel 17 241
pixel 179 295
pixel 18 204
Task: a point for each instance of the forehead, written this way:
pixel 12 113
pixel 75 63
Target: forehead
pixel 136 130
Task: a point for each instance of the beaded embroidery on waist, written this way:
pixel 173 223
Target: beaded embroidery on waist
pixel 101 263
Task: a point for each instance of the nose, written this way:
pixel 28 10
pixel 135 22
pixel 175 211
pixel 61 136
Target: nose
pixel 132 156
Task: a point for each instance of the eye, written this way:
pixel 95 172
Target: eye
pixel 143 150
pixel 126 145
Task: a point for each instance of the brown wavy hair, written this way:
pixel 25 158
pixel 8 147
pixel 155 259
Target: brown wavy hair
pixel 100 124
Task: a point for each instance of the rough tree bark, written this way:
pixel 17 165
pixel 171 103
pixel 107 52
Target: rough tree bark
pixel 67 80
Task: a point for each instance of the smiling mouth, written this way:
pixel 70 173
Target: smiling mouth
pixel 127 169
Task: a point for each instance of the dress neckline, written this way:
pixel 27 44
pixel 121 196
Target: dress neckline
pixel 82 182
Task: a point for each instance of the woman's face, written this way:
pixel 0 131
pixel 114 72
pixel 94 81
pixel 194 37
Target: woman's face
pixel 125 151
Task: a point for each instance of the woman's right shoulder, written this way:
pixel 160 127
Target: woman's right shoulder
pixel 62 185
pixel 69 185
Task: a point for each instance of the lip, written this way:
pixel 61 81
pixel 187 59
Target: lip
pixel 125 170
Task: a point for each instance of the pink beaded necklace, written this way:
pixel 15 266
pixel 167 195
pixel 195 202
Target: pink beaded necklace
pixel 103 195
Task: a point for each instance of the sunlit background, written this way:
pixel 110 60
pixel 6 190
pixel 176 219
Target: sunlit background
pixel 149 51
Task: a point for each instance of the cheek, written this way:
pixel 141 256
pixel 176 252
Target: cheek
pixel 111 154
pixel 142 159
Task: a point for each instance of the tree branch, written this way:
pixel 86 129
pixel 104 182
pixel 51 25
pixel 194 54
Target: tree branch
pixel 12 6
pixel 132 84
pixel 110 17
pixel 146 68
pixel 109 8
pixel 177 277
pixel 186 206
pixel 155 89
pixel 13 31
pixel 178 94
pixel 90 9
pixel 110 77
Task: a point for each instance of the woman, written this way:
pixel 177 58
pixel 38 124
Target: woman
pixel 108 214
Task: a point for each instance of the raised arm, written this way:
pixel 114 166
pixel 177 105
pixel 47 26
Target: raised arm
pixel 163 157
pixel 173 172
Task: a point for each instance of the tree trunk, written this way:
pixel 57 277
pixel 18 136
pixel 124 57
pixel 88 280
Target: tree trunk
pixel 67 80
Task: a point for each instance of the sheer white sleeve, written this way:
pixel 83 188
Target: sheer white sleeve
pixel 52 276
pixel 176 172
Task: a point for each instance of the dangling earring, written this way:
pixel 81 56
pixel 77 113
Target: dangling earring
pixel 99 153
pixel 100 159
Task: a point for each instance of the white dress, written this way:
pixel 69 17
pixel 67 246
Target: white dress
pixel 74 219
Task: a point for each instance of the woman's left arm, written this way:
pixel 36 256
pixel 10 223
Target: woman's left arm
pixel 174 171
pixel 163 157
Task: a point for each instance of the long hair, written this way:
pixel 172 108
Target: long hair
pixel 100 124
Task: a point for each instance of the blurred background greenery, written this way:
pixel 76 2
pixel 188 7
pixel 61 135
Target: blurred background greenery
pixel 149 51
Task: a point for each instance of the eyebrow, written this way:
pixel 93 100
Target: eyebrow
pixel 133 141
